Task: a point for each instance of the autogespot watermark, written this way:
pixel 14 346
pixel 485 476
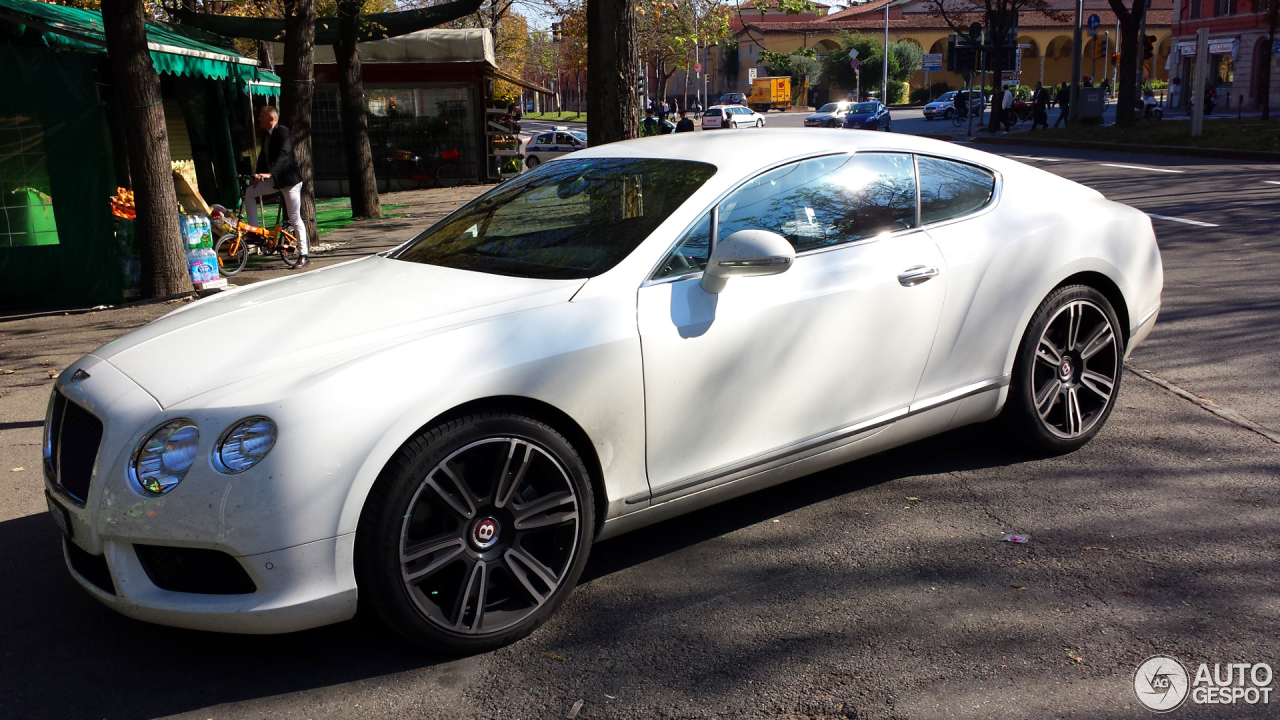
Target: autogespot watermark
pixel 1162 684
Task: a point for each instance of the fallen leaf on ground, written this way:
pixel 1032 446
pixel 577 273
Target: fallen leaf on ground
pixel 553 656
pixel 1075 657
pixel 17 470
pixel 913 498
pixel 1126 593
pixel 1091 547
pixel 1018 587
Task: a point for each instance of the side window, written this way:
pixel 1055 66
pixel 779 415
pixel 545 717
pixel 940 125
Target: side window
pixel 564 139
pixel 690 256
pixel 950 189
pixel 826 201
pixel 545 139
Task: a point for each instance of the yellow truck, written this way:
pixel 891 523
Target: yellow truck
pixel 770 93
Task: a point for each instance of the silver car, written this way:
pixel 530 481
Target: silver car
pixel 830 115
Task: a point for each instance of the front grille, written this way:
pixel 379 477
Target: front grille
pixel 194 570
pixel 90 567
pixel 74 436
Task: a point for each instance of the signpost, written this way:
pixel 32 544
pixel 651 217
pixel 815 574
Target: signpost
pixel 751 75
pixel 1094 23
pixel 932 63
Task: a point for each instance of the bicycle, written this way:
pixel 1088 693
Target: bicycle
pixel 232 248
pixel 413 171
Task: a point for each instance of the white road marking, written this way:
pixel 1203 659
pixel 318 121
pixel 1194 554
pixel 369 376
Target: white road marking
pixel 1139 167
pixel 1046 159
pixel 1272 182
pixel 1181 220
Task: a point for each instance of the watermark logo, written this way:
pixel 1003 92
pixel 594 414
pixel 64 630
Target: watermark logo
pixel 1161 683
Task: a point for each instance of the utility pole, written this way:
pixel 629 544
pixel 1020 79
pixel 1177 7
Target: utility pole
pixel 1075 65
pixel 884 61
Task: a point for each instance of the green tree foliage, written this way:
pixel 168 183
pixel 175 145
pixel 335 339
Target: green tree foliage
pixel 905 58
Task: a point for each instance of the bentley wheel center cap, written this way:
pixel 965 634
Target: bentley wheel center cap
pixel 484 534
pixel 1065 369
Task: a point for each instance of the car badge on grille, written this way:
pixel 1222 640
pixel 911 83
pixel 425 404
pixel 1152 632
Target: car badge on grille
pixel 77 376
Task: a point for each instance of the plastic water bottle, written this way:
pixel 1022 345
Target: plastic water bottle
pixel 206 232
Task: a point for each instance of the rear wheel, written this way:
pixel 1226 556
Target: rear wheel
pixel 448 175
pixel 289 251
pixel 1066 375
pixel 233 254
pixel 406 176
pixel 532 162
pixel 475 532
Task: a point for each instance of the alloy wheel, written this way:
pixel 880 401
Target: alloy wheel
pixel 489 536
pixel 1076 363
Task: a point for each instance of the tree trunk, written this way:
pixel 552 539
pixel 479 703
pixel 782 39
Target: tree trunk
pixel 355 121
pixel 137 92
pixel 612 69
pixel 1273 20
pixel 296 90
pixel 1130 60
pixel 996 67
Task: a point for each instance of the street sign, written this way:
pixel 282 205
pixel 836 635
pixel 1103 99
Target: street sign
pixel 751 75
pixel 853 53
pixel 1008 76
pixel 1094 22
pixel 932 62
pixel 697 67
pixel 1017 61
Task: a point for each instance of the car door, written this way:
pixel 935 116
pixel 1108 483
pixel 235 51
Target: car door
pixel 565 144
pixel 774 361
pixel 540 146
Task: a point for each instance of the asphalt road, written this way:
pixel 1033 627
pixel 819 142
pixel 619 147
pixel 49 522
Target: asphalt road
pixel 879 589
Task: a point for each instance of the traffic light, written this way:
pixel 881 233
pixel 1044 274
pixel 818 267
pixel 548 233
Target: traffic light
pixel 1115 58
pixel 1148 47
pixel 556 34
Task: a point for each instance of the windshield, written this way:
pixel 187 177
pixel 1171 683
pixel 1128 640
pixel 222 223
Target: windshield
pixel 829 108
pixel 580 135
pixel 947 97
pixel 867 107
pixel 572 218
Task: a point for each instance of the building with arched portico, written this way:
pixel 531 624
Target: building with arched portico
pixel 1045 41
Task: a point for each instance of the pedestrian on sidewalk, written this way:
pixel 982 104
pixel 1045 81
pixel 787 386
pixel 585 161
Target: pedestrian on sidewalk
pixel 685 124
pixel 1040 107
pixel 1064 102
pixel 277 171
pixel 1006 109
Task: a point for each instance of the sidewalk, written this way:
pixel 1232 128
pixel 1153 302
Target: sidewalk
pixel 33 350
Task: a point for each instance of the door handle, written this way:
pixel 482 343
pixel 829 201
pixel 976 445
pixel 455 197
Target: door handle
pixel 913 276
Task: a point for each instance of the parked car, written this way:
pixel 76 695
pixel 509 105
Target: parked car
pixel 731 116
pixel 830 115
pixel 871 115
pixel 944 107
pixel 438 434
pixel 550 145
pixel 735 98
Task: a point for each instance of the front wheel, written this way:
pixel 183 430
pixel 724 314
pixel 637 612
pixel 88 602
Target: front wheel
pixel 1066 375
pixel 233 254
pixel 759 123
pixel 532 162
pixel 475 532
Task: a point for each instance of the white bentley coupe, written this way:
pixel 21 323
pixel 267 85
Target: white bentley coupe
pixel 617 337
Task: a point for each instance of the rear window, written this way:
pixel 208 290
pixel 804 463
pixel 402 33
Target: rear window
pixel 573 218
pixel 713 113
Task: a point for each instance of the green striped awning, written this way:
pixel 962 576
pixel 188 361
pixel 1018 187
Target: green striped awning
pixel 172 51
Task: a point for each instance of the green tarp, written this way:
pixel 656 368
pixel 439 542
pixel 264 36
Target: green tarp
pixel 373 26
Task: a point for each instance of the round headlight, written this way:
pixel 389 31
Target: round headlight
pixel 244 445
pixel 164 458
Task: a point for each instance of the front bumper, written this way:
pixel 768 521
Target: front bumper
pixel 302 578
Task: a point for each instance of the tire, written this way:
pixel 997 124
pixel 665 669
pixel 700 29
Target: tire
pixel 948 113
pixel 290 254
pixel 532 162
pixel 406 178
pixel 448 175
pixel 441 498
pixel 760 123
pixel 231 263
pixel 1064 387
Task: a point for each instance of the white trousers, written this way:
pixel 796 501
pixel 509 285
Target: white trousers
pixel 292 207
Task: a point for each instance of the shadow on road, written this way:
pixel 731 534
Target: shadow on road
pixel 66 656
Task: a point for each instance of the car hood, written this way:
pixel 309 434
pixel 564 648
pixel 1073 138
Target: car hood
pixel 860 117
pixel 820 116
pixel 277 325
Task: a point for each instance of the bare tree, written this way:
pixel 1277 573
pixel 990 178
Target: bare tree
pixel 355 121
pixel 612 70
pixel 296 92
pixel 137 94
pixel 1130 58
pixel 1000 18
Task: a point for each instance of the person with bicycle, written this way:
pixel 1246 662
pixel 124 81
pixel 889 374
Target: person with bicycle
pixel 277 171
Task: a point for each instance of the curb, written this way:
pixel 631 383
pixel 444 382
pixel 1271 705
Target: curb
pixel 1265 156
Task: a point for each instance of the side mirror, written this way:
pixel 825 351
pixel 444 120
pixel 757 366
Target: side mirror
pixel 747 253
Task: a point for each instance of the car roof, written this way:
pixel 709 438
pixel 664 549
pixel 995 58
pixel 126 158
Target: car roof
pixel 742 153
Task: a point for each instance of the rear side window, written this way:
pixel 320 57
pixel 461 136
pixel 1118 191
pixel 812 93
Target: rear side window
pixel 950 189
pixel 546 139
